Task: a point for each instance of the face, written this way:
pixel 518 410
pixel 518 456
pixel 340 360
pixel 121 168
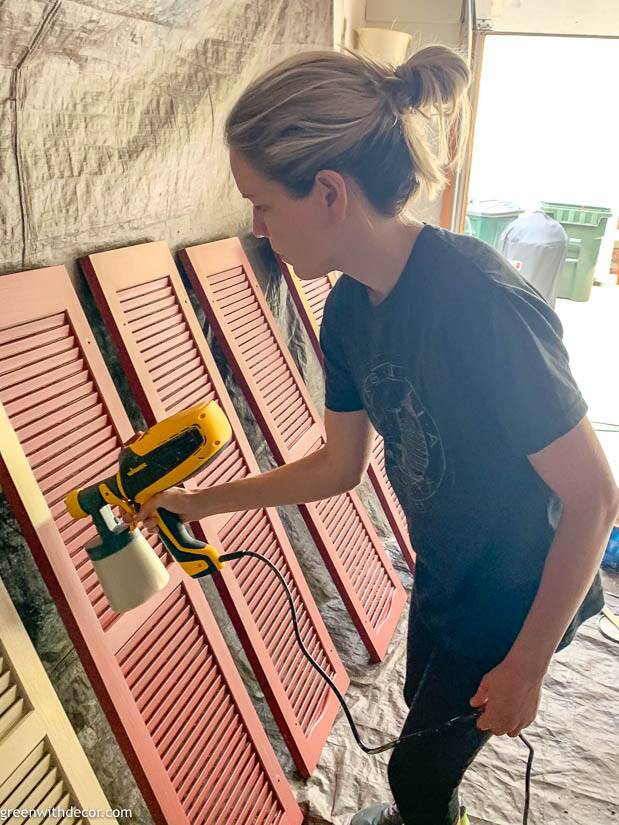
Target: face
pixel 301 230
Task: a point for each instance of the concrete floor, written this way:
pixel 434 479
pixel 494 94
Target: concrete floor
pixel 576 734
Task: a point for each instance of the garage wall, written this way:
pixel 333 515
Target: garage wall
pixel 111 114
pixel 428 22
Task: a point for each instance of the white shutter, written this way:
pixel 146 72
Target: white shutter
pixel 42 764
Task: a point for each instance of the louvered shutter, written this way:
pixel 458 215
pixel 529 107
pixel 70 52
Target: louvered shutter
pixel 227 289
pixel 169 364
pixel 42 764
pixel 309 298
pixel 162 671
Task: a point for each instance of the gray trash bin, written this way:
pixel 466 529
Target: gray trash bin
pixel 540 244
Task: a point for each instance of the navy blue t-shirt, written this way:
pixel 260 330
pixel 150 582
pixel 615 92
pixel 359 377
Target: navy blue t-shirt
pixel 462 370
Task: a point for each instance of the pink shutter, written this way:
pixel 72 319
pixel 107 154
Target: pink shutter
pixel 162 672
pixel 309 298
pixel 170 366
pixel 227 289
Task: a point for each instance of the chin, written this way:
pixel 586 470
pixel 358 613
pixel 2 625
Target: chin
pixel 307 274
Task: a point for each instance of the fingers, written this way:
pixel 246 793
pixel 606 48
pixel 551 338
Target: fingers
pixel 481 695
pixel 516 730
pixel 484 723
pixel 495 728
pixel 499 727
pixel 145 515
pixel 148 508
pixel 487 721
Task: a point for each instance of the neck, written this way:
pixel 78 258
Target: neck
pixel 377 256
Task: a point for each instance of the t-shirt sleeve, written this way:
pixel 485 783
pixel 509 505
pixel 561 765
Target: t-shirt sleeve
pixel 508 344
pixel 341 394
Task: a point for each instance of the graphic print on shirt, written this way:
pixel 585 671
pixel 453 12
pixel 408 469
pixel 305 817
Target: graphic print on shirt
pixel 414 454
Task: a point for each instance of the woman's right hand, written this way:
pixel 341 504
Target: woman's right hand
pixel 186 503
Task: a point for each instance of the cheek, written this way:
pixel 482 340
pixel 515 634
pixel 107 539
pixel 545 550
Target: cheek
pixel 308 229
pixel 294 232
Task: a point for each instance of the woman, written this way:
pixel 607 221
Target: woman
pixel 435 341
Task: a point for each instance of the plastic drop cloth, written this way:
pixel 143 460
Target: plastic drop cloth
pixel 576 741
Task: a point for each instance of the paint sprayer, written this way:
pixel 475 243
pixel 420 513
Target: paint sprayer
pixel 167 454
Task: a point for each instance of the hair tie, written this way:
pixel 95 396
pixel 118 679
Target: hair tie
pixel 410 83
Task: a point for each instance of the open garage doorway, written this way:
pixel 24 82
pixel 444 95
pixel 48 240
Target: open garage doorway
pixel 547 141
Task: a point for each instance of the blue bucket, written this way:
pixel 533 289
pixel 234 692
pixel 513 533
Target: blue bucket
pixel 611 556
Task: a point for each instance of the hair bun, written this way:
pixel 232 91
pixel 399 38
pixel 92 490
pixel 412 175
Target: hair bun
pixel 408 90
pixel 434 77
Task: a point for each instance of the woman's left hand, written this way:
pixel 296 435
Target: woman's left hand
pixel 509 698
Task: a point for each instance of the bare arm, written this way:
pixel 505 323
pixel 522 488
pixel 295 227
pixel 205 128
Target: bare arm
pixel 575 467
pixel 333 469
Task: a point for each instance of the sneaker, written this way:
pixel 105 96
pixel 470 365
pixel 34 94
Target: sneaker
pixel 389 815
pixel 384 814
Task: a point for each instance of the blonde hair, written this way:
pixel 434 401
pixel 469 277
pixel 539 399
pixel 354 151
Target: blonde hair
pixel 391 129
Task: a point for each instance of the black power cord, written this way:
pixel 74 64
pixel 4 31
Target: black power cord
pixel 463 720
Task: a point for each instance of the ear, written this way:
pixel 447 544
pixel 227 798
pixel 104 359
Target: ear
pixel 331 189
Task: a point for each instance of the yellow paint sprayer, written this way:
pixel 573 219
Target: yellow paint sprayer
pixel 165 455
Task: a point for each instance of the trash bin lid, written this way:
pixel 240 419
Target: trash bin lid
pixel 571 213
pixel 533 229
pixel 493 208
pixel 603 210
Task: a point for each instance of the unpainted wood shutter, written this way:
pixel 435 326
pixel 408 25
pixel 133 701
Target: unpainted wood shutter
pixel 42 764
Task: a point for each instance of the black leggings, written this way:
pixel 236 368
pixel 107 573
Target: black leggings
pixel 425 773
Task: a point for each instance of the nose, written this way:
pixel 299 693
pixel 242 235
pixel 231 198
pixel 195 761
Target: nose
pixel 259 228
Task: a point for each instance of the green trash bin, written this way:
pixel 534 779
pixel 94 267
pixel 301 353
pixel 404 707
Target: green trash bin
pixel 488 218
pixel 585 227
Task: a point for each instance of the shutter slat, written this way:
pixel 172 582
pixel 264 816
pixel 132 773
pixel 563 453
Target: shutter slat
pixel 52 378
pixel 30 329
pixel 167 736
